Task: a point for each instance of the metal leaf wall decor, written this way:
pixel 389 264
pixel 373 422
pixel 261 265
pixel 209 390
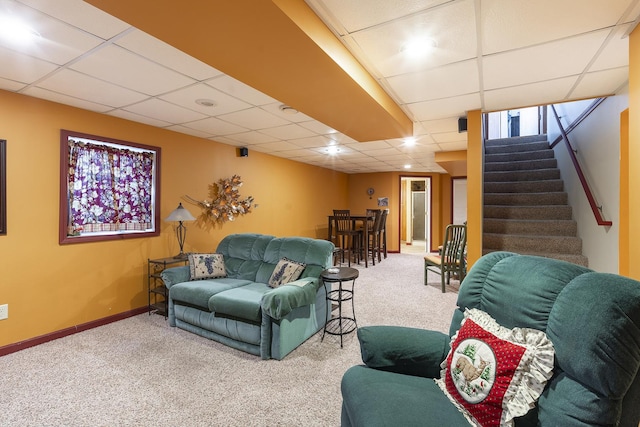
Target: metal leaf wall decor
pixel 225 204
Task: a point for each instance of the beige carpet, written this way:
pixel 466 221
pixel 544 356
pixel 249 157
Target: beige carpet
pixel 140 372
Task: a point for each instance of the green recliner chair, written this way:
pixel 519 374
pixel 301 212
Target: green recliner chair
pixel 592 319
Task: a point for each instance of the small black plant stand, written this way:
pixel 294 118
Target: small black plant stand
pixel 340 325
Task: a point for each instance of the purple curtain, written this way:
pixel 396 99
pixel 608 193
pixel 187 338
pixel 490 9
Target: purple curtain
pixel 109 188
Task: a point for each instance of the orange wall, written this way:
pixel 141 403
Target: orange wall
pixel 634 154
pixel 623 228
pixel 388 185
pixel 474 186
pixel 50 287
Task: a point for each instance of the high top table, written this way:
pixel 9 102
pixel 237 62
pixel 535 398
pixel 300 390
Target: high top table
pixel 365 230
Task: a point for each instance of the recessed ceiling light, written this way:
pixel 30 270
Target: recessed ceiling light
pixel 411 141
pixel 418 46
pixel 333 150
pixel 206 102
pixel 407 166
pixel 16 31
pixel 288 110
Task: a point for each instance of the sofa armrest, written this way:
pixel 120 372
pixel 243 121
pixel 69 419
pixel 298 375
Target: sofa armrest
pixel 173 275
pixel 403 350
pixel 279 302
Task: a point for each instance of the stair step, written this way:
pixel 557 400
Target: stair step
pixel 515 148
pixel 527 175
pixel 529 243
pixel 516 140
pixel 520 156
pixel 548 212
pixel 572 258
pixel 521 165
pixel 527 227
pixel 526 199
pixel 552 185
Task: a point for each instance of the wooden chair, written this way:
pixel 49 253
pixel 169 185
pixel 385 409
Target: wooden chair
pixel 451 259
pixel 383 232
pixel 349 238
pixel 373 234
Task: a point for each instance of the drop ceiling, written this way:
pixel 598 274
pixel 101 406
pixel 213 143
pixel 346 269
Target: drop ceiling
pixel 487 54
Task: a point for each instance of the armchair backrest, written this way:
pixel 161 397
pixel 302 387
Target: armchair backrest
pixel 593 320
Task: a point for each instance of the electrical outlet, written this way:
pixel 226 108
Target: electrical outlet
pixel 4 311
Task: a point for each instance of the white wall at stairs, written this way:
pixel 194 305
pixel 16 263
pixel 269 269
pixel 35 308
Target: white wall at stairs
pixel 597 141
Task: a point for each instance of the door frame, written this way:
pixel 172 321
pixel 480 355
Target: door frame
pixel 402 226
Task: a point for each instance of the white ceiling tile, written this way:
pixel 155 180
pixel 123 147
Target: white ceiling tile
pixel 270 147
pixel 529 95
pixel 11 85
pixel 436 126
pixel 67 100
pixel 275 109
pixel 509 24
pixel 128 115
pixel 215 126
pixel 542 62
pixel 616 53
pixel 187 97
pixel 81 15
pixel 165 111
pixel 369 145
pixel 443 108
pixel 252 137
pixel 317 127
pixel 255 118
pixel 605 82
pixel 441 82
pixel 81 86
pixel 58 42
pixel 23 68
pixel 162 53
pixel 290 131
pixel 312 142
pixel 452 28
pixel 240 90
pixel 352 17
pixel 450 137
pixel 189 131
pixel 119 66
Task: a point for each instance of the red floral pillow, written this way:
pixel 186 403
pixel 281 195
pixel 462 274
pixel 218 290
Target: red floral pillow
pixel 494 374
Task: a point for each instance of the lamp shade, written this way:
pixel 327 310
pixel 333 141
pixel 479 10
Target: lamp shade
pixel 180 214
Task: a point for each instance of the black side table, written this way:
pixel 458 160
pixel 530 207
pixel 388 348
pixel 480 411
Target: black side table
pixel 340 325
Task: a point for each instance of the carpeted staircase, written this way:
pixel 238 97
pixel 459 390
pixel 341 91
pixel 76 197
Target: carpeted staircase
pixel 525 206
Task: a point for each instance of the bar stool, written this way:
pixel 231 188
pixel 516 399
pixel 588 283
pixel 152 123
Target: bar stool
pixel 349 237
pixel 373 246
pixel 383 232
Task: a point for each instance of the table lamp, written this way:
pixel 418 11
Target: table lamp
pixel 180 214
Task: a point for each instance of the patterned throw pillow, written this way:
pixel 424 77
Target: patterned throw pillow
pixel 492 373
pixel 286 271
pixel 206 266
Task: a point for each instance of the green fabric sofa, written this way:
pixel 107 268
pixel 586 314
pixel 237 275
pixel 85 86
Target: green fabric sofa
pixel 241 310
pixel 592 319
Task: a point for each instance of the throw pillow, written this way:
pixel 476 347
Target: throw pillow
pixel 206 266
pixel 286 271
pixel 494 374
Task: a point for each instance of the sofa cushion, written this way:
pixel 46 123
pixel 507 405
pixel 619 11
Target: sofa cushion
pixel 241 302
pixel 206 266
pixel 198 292
pixel 494 374
pixel 286 271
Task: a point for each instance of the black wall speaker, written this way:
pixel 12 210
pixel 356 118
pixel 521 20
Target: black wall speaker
pixel 462 124
pixel 244 152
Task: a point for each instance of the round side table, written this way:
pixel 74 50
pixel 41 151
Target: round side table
pixel 340 325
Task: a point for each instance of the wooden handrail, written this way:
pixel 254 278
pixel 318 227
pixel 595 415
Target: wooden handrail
pixel 585 186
